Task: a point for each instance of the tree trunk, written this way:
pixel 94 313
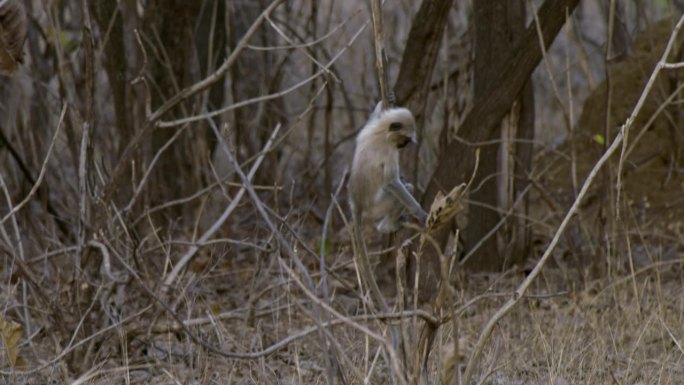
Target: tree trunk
pixel 502 88
pixel 170 32
pixel 411 89
pixel 106 13
pixel 498 25
pixel 254 74
pixel 417 66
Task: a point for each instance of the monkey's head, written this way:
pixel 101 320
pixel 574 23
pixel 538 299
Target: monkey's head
pixel 400 126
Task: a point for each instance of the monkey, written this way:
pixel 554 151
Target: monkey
pixel 12 34
pixel 377 190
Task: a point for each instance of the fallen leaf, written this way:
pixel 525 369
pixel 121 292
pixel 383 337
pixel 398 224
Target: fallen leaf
pixel 11 333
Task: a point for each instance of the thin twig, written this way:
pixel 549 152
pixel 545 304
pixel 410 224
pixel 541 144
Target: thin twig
pixel 85 153
pixel 107 262
pixel 323 67
pixel 379 45
pixel 148 171
pixel 222 219
pixel 43 169
pixel 200 86
pixel 264 98
pixel 306 44
pixel 333 360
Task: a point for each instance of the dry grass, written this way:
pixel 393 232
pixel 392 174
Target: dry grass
pixel 603 332
pixel 593 336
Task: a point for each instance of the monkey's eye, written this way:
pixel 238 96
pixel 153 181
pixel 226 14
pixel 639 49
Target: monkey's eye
pixel 395 126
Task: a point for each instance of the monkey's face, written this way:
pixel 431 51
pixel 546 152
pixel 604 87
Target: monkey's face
pixel 402 133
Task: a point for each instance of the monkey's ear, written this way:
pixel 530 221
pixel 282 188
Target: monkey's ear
pixel 396 126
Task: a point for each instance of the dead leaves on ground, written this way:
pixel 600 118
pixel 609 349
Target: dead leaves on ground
pixel 11 332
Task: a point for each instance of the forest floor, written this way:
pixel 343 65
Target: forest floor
pixel 623 328
pixel 607 309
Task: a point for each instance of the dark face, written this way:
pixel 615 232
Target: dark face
pixel 403 141
pixel 399 136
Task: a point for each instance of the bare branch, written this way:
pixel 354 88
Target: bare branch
pixel 224 216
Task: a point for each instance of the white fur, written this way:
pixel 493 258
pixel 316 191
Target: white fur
pixel 375 164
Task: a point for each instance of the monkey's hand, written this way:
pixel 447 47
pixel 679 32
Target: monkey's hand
pixel 392 98
pixel 398 190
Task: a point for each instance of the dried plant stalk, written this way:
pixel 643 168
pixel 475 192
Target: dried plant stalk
pixel 444 208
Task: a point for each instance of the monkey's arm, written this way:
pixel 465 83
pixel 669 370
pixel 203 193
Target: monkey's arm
pixel 398 190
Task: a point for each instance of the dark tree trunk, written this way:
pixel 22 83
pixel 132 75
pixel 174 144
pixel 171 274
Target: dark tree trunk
pixel 247 77
pixel 417 66
pixel 211 40
pixel 518 234
pixel 412 85
pixel 499 25
pixel 170 33
pixel 110 22
pixel 254 74
pixel 420 54
pixel 503 86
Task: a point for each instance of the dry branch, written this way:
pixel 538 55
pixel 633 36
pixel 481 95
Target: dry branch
pixel 264 98
pixel 182 95
pixel 420 54
pixel 379 45
pixel 224 216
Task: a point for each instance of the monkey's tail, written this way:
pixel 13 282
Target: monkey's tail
pixel 368 279
pixel 365 270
